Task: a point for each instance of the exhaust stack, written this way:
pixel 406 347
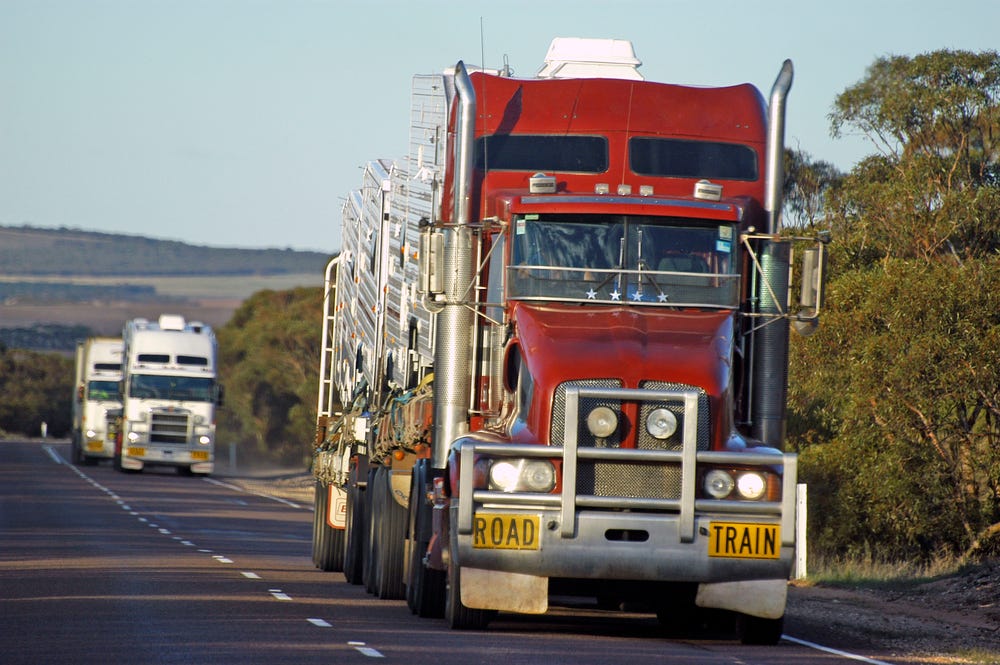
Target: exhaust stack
pixel 453 343
pixel 776 146
pixel 770 345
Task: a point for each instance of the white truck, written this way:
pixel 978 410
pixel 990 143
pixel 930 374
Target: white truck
pixel 170 393
pixel 96 402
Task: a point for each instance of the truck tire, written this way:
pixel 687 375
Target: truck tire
pixel 413 538
pixel 370 561
pixel 76 454
pixel 357 526
pixel 328 543
pixel 755 630
pixel 390 533
pixel 458 616
pixel 425 587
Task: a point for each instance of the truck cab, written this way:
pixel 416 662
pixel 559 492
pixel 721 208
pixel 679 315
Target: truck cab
pixel 169 396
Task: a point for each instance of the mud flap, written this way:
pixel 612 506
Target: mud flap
pixel 508 592
pixel 336 508
pixel 760 598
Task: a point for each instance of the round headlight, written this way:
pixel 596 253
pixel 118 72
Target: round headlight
pixel 204 439
pixel 504 475
pixel 91 434
pixel 602 422
pixel 751 486
pixel 538 475
pixel 661 423
pixel 718 484
pixel 523 475
pixel 133 437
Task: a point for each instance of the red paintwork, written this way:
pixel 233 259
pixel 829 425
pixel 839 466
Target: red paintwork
pixel 565 342
pixel 633 343
pixel 734 114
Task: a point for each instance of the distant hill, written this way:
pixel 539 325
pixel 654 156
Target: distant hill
pixel 32 251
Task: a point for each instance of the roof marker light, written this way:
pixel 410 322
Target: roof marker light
pixel 602 188
pixel 704 189
pixel 645 190
pixel 624 190
pixel 542 184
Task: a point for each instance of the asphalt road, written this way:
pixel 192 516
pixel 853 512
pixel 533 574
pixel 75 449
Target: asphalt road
pixel 98 566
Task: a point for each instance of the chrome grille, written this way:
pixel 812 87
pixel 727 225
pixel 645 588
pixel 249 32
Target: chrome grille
pixel 629 479
pixel 168 427
pixel 587 404
pixel 647 442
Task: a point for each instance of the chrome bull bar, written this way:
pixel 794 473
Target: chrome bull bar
pixel 686 506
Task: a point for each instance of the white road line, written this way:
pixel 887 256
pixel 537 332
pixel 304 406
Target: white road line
pixel 320 623
pixel 367 651
pixel 250 576
pixel 53 454
pixel 188 543
pixel 836 652
pixel 240 489
pixel 222 559
pixel 279 594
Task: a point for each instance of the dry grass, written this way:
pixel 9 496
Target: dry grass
pixel 211 300
pixel 871 572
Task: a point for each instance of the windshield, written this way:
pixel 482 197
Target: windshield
pixel 102 390
pixel 187 388
pixel 614 259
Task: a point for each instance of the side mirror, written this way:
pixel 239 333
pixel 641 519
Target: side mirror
pixel 813 291
pixel 431 262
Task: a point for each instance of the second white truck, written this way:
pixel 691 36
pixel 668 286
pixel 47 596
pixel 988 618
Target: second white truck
pixel 96 402
pixel 169 397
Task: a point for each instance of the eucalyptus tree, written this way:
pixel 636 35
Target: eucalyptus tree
pixel 897 407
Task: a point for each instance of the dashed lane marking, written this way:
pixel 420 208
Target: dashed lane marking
pixel 320 622
pixel 240 489
pixel 367 651
pixel 250 576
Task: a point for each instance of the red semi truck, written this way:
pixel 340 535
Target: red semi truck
pixel 555 349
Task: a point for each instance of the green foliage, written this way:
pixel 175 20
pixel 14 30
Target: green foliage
pixel 943 103
pixel 269 362
pixel 807 182
pixel 35 388
pixel 894 405
pixel 894 402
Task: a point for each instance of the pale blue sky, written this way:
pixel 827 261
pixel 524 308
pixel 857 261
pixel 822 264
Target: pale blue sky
pixel 244 122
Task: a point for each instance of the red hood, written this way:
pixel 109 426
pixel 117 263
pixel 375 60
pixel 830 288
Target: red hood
pixel 633 344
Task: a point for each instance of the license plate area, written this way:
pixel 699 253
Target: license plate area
pixel 741 540
pixel 501 531
pixel 199 455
